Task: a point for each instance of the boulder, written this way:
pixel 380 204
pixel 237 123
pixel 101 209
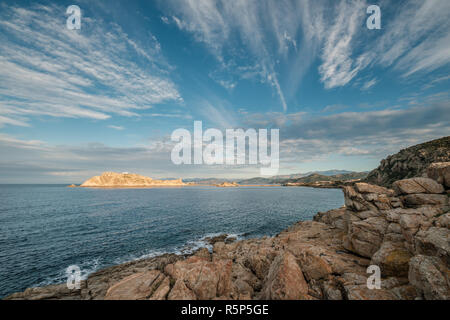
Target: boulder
pixel 139 286
pixel 350 217
pixel 285 280
pixel 365 237
pixel 417 185
pixel 355 288
pixel 440 172
pixel 410 224
pixel 393 259
pixel 206 279
pixel 333 218
pixel 181 292
pixel 434 242
pixel 366 214
pixel 425 199
pixel 361 292
pixel 313 264
pixel 331 291
pixel 162 291
pixel 443 221
pixel 259 261
pixel 362 187
pixel 52 292
pixel 430 277
pixel 355 201
pixel 394 228
pixel 244 281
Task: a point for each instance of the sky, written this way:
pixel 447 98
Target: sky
pixel 107 97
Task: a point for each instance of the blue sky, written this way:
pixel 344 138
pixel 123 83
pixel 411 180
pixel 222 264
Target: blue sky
pixel 75 103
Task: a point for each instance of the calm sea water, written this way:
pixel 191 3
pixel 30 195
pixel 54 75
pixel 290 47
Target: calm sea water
pixel 46 228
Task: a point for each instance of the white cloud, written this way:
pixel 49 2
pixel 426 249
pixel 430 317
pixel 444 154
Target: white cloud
pixel 119 128
pixel 9 121
pixel 92 73
pixel 369 84
pixel 415 37
pixel 215 22
pixel 338 67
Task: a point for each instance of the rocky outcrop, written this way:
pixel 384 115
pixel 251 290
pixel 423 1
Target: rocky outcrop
pixel 139 286
pixel 412 162
pixel 408 238
pixel 227 184
pixel 404 231
pixel 127 180
pixel 430 276
pixel 440 172
pixel 285 280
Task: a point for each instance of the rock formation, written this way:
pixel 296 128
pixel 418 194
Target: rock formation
pixel 124 180
pixel 227 184
pixel 411 162
pixel 405 231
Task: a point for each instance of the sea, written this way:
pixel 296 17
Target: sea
pixel 44 229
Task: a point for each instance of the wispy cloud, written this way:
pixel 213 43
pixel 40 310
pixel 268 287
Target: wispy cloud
pixel 369 84
pixel 415 37
pixel 371 133
pixel 119 128
pixel 338 67
pixel 92 73
pixel 216 22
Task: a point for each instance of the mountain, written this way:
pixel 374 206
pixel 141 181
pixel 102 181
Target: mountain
pixel 315 177
pixel 339 175
pixel 301 175
pixel 410 162
pixel 259 181
pixel 329 175
pixel 120 180
pixel 207 181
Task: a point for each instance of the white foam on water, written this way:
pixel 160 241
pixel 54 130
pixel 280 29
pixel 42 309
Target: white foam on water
pixel 88 267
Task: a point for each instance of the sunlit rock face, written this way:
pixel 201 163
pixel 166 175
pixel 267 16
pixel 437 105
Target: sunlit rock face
pixel 117 180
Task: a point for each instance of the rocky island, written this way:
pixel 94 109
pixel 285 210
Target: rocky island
pixel 127 180
pixel 404 230
pixel 227 185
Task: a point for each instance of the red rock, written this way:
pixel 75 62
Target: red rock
pixel 285 280
pixel 181 292
pixel 440 172
pixel 138 286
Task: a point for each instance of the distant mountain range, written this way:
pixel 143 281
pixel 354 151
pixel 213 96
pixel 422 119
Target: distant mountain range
pixel 313 176
pixel 208 181
pixel 323 173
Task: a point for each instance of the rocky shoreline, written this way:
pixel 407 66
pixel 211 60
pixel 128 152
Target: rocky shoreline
pixel 405 231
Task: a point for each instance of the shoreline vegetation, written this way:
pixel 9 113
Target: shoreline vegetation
pixel 402 228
